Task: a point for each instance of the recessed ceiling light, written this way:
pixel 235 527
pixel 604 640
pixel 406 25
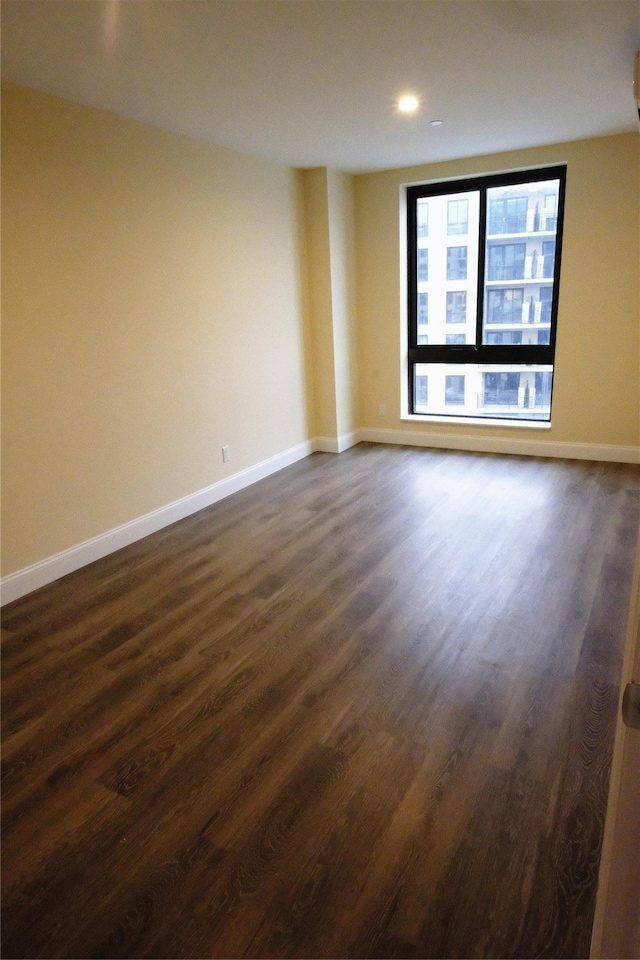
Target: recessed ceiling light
pixel 436 123
pixel 408 104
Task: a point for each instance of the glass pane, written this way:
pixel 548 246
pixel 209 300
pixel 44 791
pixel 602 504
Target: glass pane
pixel 505 391
pixel 519 262
pixel 447 268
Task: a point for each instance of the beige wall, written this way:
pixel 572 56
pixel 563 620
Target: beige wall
pixel 342 236
pixel 597 371
pixel 162 297
pixel 320 299
pixel 152 312
pixel 330 259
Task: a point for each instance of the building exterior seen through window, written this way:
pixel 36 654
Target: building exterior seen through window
pixel 483 282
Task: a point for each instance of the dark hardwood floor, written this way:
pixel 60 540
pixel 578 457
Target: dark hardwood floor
pixel 364 708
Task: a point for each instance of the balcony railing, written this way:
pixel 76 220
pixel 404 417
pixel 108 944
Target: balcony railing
pixel 516 398
pixel 514 224
pixel 537 311
pixel 522 223
pixel 510 271
pixel 500 398
pixel 506 314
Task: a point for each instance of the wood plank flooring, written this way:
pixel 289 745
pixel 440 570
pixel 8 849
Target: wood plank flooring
pixel 364 708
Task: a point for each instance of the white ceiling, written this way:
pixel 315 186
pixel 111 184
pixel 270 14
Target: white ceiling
pixel 314 82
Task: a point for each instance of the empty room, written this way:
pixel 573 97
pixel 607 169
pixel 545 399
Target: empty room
pixel 320 478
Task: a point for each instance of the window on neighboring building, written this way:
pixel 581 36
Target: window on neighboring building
pixel 499 360
pixel 456 263
pixel 454 390
pixel 423 218
pixel 509 336
pixel 423 264
pixel 506 261
pixel 458 216
pixel 508 214
pixel 457 306
pixel 546 300
pixel 422 391
pixel 505 305
pixel 501 389
pixel 549 256
pixel 423 317
pixel 423 308
pixel 550 212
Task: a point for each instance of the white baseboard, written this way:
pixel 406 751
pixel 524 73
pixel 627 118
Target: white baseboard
pixel 508 445
pixel 24 581
pixel 337 444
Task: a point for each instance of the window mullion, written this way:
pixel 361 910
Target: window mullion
pixel 482 245
pixel 412 267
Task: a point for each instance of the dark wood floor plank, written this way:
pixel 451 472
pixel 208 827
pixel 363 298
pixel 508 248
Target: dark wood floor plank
pixel 362 708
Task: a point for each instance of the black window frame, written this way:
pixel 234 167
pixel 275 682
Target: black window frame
pixel 479 353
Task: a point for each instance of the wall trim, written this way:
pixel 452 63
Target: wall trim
pixel 348 440
pixel 326 445
pixel 337 444
pixel 510 445
pixel 30 578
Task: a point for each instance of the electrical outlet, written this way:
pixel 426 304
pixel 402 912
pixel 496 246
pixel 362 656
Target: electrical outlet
pixel 226 454
pixel 382 410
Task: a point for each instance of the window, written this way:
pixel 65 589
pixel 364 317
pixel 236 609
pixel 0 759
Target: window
pixel 546 297
pixel 548 256
pixel 458 216
pixel 532 390
pixel 550 212
pixel 506 261
pixel 423 317
pixel 508 215
pixel 505 305
pixel 423 264
pixel 454 390
pixel 456 263
pixel 423 218
pixel 422 391
pixel 509 336
pixel 501 389
pixel 498 359
pixel 457 306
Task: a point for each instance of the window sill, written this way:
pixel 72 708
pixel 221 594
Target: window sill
pixel 477 421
